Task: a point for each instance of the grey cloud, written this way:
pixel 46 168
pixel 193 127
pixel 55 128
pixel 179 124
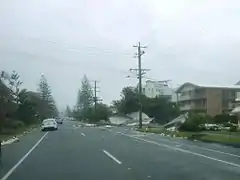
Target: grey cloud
pixel 187 41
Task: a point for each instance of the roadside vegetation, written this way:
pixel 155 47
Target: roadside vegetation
pixel 20 108
pixel 196 127
pixel 85 109
pixel 161 109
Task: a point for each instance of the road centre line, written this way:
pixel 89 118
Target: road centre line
pixel 112 157
pixel 83 134
pixel 183 150
pixel 22 159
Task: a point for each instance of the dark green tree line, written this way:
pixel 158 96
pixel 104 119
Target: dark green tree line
pixel 159 108
pixel 84 109
pixel 23 107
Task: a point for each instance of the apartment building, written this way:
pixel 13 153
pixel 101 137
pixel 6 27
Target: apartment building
pixel 153 89
pixel 208 99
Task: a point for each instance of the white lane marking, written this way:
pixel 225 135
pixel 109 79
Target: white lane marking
pixel 83 134
pixel 22 159
pixel 221 152
pixel 206 149
pixel 185 151
pixel 112 157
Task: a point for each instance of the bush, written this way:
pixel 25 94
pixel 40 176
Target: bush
pixel 233 128
pixel 13 124
pixel 224 118
pixel 193 123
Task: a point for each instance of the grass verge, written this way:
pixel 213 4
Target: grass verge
pixel 9 133
pixel 221 138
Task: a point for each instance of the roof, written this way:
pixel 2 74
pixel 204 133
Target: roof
pixel 237 87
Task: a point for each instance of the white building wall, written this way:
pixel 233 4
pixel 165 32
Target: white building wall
pixel 153 89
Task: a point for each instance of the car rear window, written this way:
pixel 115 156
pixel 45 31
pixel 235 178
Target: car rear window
pixel 48 121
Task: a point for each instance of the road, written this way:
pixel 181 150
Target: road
pixel 116 153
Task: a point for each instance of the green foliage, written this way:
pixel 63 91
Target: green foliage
pixel 102 113
pixel 224 118
pixel 159 108
pixel 85 95
pixel 84 109
pixel 22 107
pixel 14 85
pixel 13 124
pixel 193 122
pixel 49 108
pixel 233 128
pixel 68 112
pixel 129 101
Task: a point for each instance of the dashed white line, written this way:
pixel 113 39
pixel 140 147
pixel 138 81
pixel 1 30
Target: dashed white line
pixel 22 159
pixel 83 134
pixel 112 157
pixel 183 150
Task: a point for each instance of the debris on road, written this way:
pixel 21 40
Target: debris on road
pixel 10 141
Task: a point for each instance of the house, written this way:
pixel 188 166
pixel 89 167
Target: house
pixel 154 89
pixel 209 99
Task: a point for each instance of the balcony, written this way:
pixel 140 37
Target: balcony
pixel 188 107
pixel 184 97
pixel 191 96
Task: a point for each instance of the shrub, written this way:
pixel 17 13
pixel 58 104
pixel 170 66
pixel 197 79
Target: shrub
pixel 233 128
pixel 193 123
pixel 13 124
pixel 224 118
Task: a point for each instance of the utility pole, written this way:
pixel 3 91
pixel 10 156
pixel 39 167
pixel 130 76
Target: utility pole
pixel 95 98
pixel 140 73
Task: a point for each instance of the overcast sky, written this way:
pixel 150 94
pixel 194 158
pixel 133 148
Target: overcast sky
pixel 191 40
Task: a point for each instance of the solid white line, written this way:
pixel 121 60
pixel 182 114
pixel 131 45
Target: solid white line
pixel 183 150
pixel 22 159
pixel 83 134
pixel 221 152
pixel 207 149
pixel 112 157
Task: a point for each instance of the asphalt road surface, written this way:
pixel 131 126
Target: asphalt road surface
pixel 100 153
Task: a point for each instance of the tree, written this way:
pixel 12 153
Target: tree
pixel 129 101
pixel 49 108
pixel 22 107
pixel 84 109
pixel 102 113
pixel 159 108
pixel 85 95
pixel 27 109
pixel 14 85
pixel 5 99
pixel 68 112
pixel 193 122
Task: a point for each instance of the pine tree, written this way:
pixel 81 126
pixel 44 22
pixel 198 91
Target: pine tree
pixel 49 108
pixel 85 95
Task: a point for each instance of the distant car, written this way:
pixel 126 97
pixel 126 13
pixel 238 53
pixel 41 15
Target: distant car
pixel 59 120
pixel 49 124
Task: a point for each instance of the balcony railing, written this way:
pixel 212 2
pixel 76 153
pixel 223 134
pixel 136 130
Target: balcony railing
pixel 192 107
pixel 191 96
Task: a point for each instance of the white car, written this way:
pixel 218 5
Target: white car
pixel 49 124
